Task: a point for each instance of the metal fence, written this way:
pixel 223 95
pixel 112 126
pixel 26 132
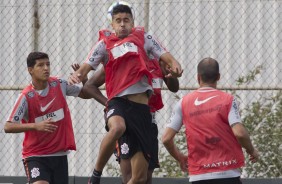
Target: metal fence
pixel 244 36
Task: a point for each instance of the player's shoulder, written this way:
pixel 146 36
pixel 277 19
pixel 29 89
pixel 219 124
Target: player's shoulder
pixel 62 81
pixel 22 95
pixel 54 79
pixel 148 35
pixel 105 33
pixel 179 102
pixel 57 80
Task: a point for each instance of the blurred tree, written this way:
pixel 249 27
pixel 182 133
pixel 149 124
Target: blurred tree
pixel 263 119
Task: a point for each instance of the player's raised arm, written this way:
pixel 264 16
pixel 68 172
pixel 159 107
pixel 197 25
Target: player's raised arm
pixel 173 65
pixel 91 87
pixel 80 74
pixel 171 82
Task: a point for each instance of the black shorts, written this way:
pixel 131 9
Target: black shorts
pixel 52 169
pixel 236 180
pixel 137 136
pixel 154 161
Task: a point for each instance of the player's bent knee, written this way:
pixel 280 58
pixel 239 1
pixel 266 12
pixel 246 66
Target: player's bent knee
pixel 116 126
pixel 117 132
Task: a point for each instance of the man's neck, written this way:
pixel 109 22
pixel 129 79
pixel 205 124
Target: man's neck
pixel 39 85
pixel 202 85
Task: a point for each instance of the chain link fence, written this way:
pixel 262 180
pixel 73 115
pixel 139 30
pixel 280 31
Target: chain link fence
pixel 244 36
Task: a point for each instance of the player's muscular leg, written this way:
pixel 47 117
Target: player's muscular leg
pixel 125 167
pixel 117 127
pixel 149 176
pixel 139 169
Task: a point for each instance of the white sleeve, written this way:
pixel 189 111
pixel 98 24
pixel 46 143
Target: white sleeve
pixel 19 111
pixel 176 117
pixel 97 55
pixel 70 90
pixel 152 46
pixel 234 115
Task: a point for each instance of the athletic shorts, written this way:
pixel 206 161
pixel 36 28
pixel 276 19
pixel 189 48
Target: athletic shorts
pixel 137 136
pixel 51 169
pixel 236 180
pixel 154 161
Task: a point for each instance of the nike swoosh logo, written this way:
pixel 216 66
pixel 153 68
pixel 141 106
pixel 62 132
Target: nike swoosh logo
pixel 46 106
pixel 199 102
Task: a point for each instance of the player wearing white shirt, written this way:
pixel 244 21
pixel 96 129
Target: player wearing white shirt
pixel 42 113
pixel 214 132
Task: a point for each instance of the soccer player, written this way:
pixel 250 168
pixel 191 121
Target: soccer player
pixel 214 132
pixel 128 86
pixel 158 71
pixel 46 122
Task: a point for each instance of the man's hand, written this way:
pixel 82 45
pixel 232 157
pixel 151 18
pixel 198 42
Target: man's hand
pixel 74 78
pixel 182 159
pixel 174 71
pixel 75 66
pixel 173 66
pixel 46 126
pixel 80 74
pixel 254 156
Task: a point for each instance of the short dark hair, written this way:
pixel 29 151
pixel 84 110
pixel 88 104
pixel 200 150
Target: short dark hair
pixel 208 69
pixel 33 56
pixel 121 8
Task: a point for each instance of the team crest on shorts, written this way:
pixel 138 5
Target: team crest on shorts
pixel 110 112
pixel 35 172
pixel 124 148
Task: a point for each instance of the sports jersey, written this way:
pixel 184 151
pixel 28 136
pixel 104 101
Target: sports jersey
pixel 99 54
pixel 127 61
pixel 32 106
pixel 208 146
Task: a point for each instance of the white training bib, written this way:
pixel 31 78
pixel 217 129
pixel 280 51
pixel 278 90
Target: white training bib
pixel 56 116
pixel 124 48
